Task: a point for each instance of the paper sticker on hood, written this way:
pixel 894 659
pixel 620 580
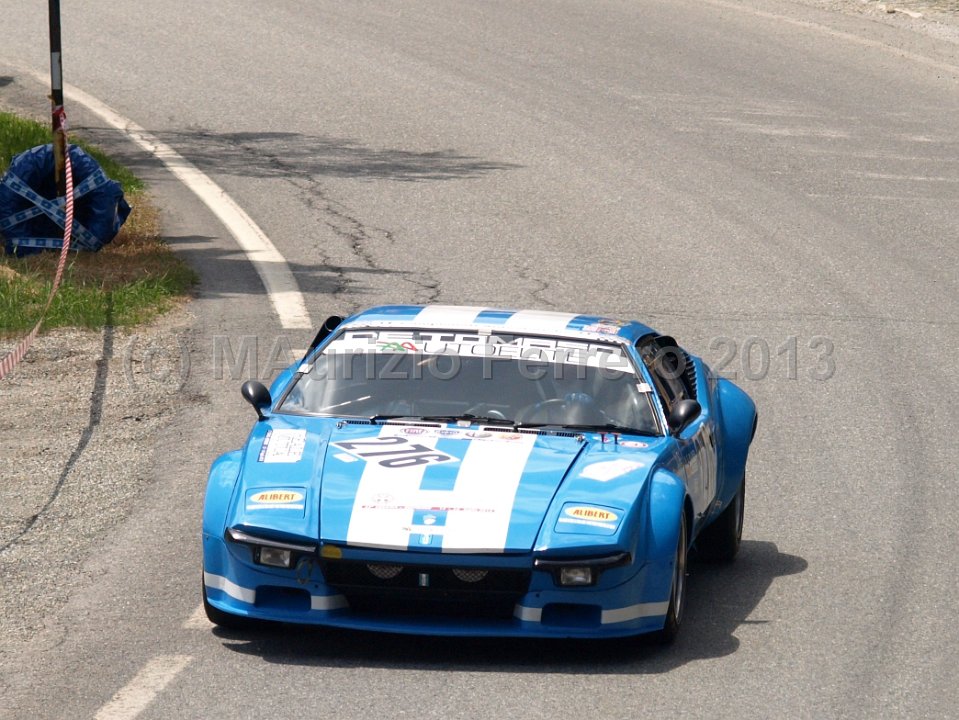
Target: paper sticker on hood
pixel 282 446
pixel 609 469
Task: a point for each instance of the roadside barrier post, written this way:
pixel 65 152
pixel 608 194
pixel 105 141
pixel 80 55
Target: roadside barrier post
pixel 56 98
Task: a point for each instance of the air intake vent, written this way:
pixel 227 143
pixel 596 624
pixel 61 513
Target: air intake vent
pixel 690 373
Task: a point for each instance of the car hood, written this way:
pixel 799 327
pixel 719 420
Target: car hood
pixel 427 488
pixel 440 489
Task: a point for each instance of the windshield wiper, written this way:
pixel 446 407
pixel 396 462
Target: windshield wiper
pixel 478 419
pixel 593 427
pixel 612 428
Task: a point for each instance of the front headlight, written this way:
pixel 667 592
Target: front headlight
pixel 580 572
pixel 576 576
pixel 274 553
pixel 273 556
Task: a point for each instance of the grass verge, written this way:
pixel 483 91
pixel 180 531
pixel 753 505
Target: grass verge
pixel 131 280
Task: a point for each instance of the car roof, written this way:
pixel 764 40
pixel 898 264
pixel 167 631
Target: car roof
pixel 535 322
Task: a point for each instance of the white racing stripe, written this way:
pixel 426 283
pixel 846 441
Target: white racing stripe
pixel 134 697
pixel 328 602
pixel 382 512
pixel 448 315
pixel 528 614
pixel 539 321
pixel 489 476
pixel 219 582
pixel 477 509
pixel 270 265
pixel 634 612
pixel 199 621
pixel 608 617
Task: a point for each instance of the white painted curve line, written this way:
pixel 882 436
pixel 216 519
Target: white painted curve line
pixel 270 265
pixel 198 620
pixel 134 697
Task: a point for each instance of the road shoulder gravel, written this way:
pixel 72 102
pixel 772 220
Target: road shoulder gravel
pixel 938 19
pixel 80 415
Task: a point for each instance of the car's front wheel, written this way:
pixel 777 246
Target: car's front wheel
pixel 677 593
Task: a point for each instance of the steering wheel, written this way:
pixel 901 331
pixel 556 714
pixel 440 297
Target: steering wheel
pixel 484 410
pixel 544 406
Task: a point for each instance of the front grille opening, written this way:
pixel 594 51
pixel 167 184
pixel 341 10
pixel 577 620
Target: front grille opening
pixel 432 605
pixel 425 590
pixel 282 598
pixel 471 575
pixel 571 615
pixel 384 572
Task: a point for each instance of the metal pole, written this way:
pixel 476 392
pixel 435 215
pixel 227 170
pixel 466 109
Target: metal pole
pixel 56 99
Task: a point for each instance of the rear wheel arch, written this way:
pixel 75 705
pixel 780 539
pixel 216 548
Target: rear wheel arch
pixel 739 424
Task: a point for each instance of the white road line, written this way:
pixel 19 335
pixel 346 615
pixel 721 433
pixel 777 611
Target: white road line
pixel 908 178
pixel 281 286
pixel 881 198
pixel 198 620
pixel 133 698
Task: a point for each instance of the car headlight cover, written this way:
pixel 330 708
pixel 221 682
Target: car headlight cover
pixel 581 572
pixel 274 553
pixel 576 575
pixel 276 557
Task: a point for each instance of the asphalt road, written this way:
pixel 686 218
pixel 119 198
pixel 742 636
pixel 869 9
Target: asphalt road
pixel 774 185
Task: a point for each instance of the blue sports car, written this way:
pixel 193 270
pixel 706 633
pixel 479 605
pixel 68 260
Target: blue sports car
pixel 470 471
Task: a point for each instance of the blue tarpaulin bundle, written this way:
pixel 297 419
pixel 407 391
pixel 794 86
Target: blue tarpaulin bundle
pixel 32 217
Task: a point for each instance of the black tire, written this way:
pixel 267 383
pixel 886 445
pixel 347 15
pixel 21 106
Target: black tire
pixel 720 540
pixel 677 593
pixel 224 619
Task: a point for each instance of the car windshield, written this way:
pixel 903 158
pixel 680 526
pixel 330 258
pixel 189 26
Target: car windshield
pixel 491 377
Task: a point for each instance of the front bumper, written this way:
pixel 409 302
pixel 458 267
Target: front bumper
pixel 635 601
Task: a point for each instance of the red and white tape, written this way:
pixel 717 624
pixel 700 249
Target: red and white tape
pixel 12 359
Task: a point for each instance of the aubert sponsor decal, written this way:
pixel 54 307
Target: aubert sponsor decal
pixel 274 497
pixel 583 512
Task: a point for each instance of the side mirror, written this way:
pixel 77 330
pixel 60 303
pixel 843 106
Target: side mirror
pixel 683 413
pixel 255 393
